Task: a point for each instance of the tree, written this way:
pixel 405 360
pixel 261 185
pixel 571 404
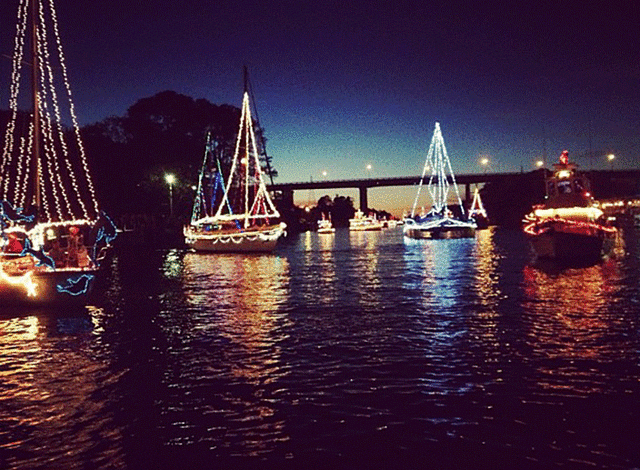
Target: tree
pixel 162 133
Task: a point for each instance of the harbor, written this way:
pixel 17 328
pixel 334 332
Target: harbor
pixel 176 295
pixel 353 350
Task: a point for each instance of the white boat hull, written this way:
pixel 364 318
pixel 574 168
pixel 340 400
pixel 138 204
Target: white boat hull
pixel 249 241
pixel 439 229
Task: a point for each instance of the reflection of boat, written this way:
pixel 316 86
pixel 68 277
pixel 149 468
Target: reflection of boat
pixel 52 234
pixel 439 222
pixel 362 222
pixel 325 225
pixel 569 226
pixel 241 219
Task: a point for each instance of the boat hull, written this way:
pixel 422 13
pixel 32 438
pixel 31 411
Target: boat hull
pixel 61 287
pixel 250 241
pixel 366 228
pixel 571 247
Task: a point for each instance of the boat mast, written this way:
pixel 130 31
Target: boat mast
pixel 36 107
pixel 246 151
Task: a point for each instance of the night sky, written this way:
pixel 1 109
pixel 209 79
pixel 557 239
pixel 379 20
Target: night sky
pixel 343 84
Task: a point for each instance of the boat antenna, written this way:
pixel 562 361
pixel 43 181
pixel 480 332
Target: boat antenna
pixel 263 144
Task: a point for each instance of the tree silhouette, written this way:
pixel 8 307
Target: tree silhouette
pixel 159 134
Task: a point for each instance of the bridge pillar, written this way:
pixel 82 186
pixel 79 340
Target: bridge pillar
pixel 467 196
pixel 363 199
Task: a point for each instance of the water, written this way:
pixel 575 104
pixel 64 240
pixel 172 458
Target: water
pixel 358 350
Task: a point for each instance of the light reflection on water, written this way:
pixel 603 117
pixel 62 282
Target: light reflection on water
pixel 350 349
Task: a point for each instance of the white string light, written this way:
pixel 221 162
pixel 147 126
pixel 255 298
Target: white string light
pixel 438 163
pixel 66 187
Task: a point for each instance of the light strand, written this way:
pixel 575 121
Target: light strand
pixel 74 118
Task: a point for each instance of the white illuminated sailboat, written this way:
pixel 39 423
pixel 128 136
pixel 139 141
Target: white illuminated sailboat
pixel 439 222
pixel 52 234
pixel 243 218
pixel 477 212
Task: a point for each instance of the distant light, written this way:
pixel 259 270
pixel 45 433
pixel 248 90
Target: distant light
pixel 610 157
pixel 369 167
pixel 539 163
pixel 324 173
pixel 170 178
pixel 484 161
pixel 564 174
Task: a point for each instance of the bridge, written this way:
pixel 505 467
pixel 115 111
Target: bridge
pixel 287 189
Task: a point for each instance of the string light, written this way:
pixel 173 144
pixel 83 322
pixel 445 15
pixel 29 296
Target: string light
pixel 247 140
pixel 438 163
pixel 63 181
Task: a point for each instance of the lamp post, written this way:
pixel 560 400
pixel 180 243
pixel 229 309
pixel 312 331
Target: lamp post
pixel 611 157
pixel 170 179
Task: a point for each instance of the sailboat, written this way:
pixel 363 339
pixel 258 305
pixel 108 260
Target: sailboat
pixel 439 222
pixel 239 215
pixel 53 236
pixel 477 212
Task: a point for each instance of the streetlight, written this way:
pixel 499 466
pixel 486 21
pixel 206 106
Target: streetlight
pixel 539 163
pixel 170 179
pixel 484 162
pixel 611 157
pixel 368 167
pixel 324 173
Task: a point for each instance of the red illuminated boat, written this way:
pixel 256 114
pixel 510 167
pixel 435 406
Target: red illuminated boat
pixel 569 226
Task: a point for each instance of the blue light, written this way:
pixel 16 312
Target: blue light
pixel 42 258
pixel 76 286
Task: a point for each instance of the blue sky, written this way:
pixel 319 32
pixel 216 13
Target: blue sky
pixel 340 85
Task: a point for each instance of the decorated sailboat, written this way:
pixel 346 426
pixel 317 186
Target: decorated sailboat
pixel 477 212
pixel 569 225
pixel 239 215
pixel 53 235
pixel 439 222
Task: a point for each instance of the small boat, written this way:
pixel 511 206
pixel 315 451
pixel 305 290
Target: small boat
pixel 362 222
pixel 569 225
pixel 439 222
pixel 238 216
pixel 53 236
pixel 325 225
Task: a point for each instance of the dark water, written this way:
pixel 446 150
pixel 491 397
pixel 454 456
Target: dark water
pixel 346 351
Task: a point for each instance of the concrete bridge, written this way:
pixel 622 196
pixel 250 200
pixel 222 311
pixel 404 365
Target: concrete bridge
pixel 287 189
